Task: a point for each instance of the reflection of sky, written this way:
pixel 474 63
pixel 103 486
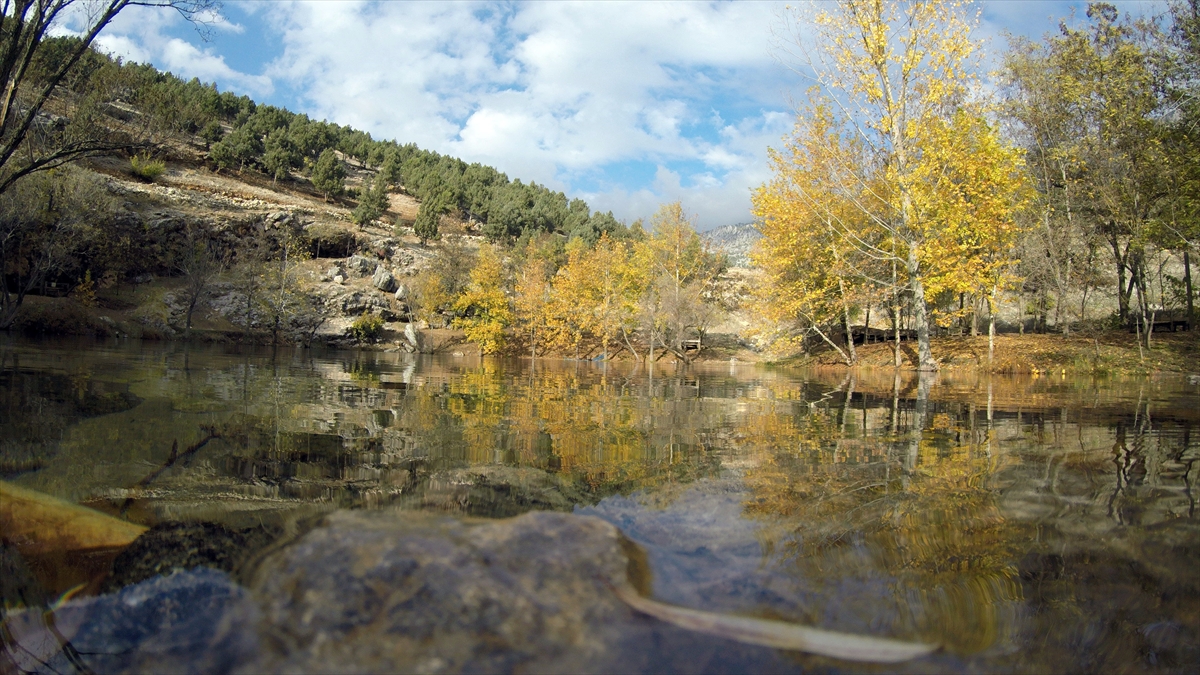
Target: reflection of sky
pixel 625 105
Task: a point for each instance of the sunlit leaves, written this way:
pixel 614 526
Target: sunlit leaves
pixel 484 308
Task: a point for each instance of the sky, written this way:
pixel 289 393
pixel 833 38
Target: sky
pixel 626 105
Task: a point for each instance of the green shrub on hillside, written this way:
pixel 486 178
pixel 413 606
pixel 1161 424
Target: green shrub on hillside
pixel 367 327
pixel 146 168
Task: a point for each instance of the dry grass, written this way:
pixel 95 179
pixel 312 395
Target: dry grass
pixel 1112 352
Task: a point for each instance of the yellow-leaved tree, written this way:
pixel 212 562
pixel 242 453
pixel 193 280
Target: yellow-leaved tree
pixel 897 74
pixel 675 270
pixel 533 296
pixel 483 308
pixel 595 296
pixel 971 189
pixel 816 274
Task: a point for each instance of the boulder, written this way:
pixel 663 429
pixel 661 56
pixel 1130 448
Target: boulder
pixel 383 280
pixel 189 622
pixel 354 303
pixel 358 265
pixel 374 592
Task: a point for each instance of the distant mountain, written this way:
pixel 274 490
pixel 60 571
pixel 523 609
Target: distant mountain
pixel 735 240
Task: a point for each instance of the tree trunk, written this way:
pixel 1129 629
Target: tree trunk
pixel 1122 293
pixel 1187 285
pixel 991 302
pixel 849 331
pixel 925 360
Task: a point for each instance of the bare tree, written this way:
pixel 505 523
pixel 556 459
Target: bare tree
pixel 31 140
pixel 200 263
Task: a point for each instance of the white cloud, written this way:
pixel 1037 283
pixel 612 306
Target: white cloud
pixel 550 92
pixel 142 34
pixel 563 93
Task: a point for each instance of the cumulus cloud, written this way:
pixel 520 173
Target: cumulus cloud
pixel 626 104
pixel 550 92
pixel 144 34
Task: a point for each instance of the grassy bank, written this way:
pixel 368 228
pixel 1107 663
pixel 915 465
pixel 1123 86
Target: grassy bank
pixel 1110 352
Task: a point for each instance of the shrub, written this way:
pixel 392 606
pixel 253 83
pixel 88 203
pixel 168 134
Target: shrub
pixel 56 317
pixel 367 327
pixel 146 168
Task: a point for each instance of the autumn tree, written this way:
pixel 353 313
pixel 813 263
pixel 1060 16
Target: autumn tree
pixel 594 297
pixel 1087 105
pixel 680 268
pixel 894 70
pixel 483 308
pixel 533 294
pixel 446 277
pixel 1180 221
pixel 816 273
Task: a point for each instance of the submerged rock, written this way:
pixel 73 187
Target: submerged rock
pixel 499 491
pixel 189 622
pixel 168 547
pixel 373 592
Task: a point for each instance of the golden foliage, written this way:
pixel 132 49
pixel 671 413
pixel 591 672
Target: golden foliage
pixel 483 306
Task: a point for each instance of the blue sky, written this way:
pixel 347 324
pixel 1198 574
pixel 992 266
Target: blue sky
pixel 626 105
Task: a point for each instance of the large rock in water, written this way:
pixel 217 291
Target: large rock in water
pixel 416 592
pixel 190 622
pixel 371 592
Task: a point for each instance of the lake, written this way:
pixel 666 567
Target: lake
pixel 1025 524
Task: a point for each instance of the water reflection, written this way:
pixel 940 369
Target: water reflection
pixel 1027 524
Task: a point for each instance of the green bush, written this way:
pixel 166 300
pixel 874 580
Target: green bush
pixel 146 168
pixel 367 327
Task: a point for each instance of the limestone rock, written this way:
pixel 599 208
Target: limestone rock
pixel 383 280
pixel 360 266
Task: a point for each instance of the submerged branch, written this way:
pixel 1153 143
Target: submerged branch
pixel 778 634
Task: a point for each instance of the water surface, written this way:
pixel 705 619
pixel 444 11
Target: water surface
pixel 1027 524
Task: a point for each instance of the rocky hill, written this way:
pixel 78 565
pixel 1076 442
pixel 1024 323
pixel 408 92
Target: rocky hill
pixel 735 241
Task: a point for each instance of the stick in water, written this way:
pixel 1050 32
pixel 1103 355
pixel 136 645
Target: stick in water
pixel 778 634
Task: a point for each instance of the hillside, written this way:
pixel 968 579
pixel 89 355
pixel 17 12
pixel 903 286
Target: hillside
pixel 734 241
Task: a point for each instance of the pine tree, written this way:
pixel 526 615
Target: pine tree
pixel 328 174
pixel 372 203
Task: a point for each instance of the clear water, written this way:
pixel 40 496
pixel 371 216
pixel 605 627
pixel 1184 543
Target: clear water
pixel 1026 524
